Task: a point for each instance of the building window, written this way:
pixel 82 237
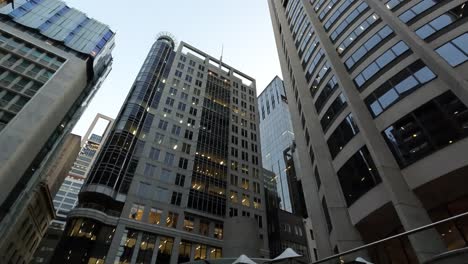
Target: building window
pixel 399 86
pixel 455 14
pixel 189 223
pixel 180 179
pixel 154 216
pixel 317 178
pixel 234 196
pixel 246 200
pixel 136 212
pixel 430 127
pixel 200 252
pixel 245 184
pixel 171 220
pixel 366 48
pixel 333 111
pixel 218 231
pixel 349 20
pixel 455 52
pixel 380 63
pixel 185 249
pixel 257 203
pixel 169 159
pixel 204 228
pixel 358 176
pixel 176 198
pixel 357 33
pixel 345 131
pixel 183 163
pixel 416 10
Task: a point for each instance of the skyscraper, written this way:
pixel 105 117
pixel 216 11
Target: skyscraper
pixel 285 220
pixel 378 101
pixel 53 59
pixel 180 173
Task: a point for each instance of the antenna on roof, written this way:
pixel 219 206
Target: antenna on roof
pixel 221 58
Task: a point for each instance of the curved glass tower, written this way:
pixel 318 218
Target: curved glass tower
pixel 378 97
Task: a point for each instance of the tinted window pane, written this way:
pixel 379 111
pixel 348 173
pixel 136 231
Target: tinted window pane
pixel 358 176
pixel 451 54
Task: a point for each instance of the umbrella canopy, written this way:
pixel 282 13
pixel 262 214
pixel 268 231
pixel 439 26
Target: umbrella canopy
pixel 243 259
pixel 287 254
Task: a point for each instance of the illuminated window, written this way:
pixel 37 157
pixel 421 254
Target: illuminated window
pixel 246 200
pixel 218 231
pixel 200 252
pixel 136 213
pixel 234 196
pixel 155 216
pixel 171 220
pixel 189 223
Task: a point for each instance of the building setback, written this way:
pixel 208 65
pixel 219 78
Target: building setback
pixel 180 173
pixel 378 95
pixel 53 58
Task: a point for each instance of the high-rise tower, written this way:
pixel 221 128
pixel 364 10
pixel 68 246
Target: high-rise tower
pixel 180 173
pixel 378 98
pixel 53 58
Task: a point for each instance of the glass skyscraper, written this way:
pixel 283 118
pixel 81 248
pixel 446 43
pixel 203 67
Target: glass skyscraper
pixel 378 97
pixel 277 136
pixel 180 173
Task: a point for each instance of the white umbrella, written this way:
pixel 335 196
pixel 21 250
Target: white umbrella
pixel 363 261
pixel 287 254
pixel 244 260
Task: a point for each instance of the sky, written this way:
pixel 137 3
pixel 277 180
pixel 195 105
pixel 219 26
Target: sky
pixel 243 27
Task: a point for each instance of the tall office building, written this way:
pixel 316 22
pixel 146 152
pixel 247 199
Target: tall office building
pixel 180 173
pixel 276 136
pixel 378 94
pixel 66 194
pixel 53 59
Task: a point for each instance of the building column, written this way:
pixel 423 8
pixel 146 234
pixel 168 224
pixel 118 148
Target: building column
pixel 192 252
pixel 154 257
pixel 175 250
pixel 136 248
pixel 115 244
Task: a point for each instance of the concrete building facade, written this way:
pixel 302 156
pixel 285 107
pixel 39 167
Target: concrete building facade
pixel 378 98
pixel 52 61
pixel 32 218
pixel 180 173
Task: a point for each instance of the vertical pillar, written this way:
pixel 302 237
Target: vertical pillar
pixel 115 244
pixel 154 257
pixel 175 250
pixel 136 248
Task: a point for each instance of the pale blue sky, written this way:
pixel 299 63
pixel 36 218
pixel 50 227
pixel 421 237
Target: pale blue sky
pixel 243 26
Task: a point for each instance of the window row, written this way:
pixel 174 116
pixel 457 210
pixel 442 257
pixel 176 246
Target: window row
pixel 367 47
pixel 337 14
pixel 349 20
pixel 453 15
pixel 455 52
pixel 357 32
pixel 399 86
pixel 378 64
pixel 345 131
pixel 333 111
pixel 410 14
pixel 430 127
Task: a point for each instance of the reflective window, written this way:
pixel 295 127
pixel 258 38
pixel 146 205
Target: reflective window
pixel 342 135
pixel 417 9
pixel 327 9
pixel 327 91
pixel 455 52
pixel 348 21
pixel 358 176
pixel 136 212
pixel 397 87
pixel 343 8
pixel 367 46
pixel 333 111
pixel 357 32
pixel 386 58
pixel 430 127
pixel 394 3
pixel 442 21
pixel 314 63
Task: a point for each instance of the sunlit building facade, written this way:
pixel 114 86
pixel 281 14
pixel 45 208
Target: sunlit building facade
pixel 378 97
